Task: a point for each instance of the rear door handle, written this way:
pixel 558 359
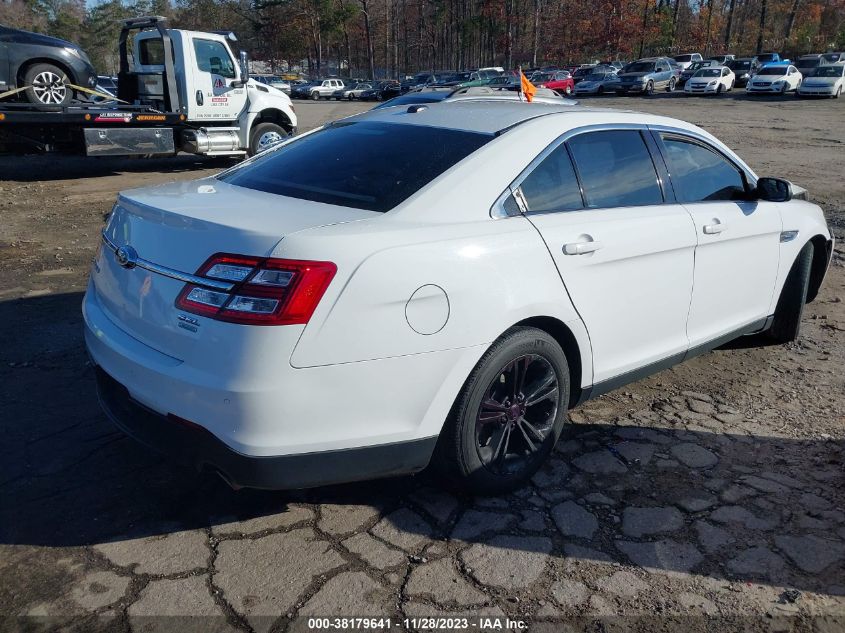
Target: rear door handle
pixel 712 229
pixel 581 248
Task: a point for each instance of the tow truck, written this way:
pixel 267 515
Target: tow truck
pixel 178 90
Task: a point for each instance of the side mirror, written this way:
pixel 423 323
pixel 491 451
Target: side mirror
pixel 243 64
pixel 774 190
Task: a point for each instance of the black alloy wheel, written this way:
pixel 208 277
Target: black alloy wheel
pixel 516 414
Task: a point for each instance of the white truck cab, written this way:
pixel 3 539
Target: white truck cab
pixel 225 112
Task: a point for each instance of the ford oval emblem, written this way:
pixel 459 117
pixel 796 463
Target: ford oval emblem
pixel 126 257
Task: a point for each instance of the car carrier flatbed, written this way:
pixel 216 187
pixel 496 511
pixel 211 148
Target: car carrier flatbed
pixel 177 91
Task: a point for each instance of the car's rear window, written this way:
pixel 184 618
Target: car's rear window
pixel 365 165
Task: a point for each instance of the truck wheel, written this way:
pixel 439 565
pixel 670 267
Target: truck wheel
pixel 265 135
pixel 47 85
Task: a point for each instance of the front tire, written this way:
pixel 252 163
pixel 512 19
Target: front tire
pixel 509 415
pixel 264 135
pixel 649 88
pixel 47 85
pixel 786 326
pixel 315 96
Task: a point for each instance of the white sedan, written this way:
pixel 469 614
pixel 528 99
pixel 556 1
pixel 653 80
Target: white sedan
pixel 434 283
pixel 777 78
pixel 824 81
pixel 710 81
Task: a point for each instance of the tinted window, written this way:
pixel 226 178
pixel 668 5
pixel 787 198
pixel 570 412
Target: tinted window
pixel 552 186
pixel 615 169
pixel 151 52
pixel 212 57
pixel 365 165
pixel 700 174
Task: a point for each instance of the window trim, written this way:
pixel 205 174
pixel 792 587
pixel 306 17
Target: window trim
pixel 194 41
pixel 498 211
pixel 657 133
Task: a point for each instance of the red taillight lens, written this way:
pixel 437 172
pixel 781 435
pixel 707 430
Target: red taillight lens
pixel 264 291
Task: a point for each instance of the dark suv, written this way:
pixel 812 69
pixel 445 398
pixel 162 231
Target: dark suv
pixel 45 64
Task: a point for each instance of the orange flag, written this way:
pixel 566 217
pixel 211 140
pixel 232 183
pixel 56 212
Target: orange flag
pixel 526 86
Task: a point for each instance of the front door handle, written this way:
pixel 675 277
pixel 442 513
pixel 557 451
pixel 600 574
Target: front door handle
pixel 199 97
pixel 716 227
pixel 581 248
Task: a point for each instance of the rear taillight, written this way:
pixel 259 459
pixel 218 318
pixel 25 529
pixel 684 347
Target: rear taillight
pixel 264 291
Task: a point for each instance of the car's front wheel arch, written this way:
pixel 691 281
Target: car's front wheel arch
pixel 821 256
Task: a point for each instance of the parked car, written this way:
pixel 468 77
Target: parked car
pixel 381 91
pixel 360 316
pixel 778 78
pixel 581 72
pixel 645 76
pixel 598 83
pixel 424 79
pixel 710 80
pixel 685 59
pixel 46 65
pixel 509 81
pixel 325 89
pixel 743 69
pixel 823 81
pixel 352 92
pixel 806 63
pixel 560 81
pixel 722 59
pixel 694 68
pixel 303 90
pixel 273 80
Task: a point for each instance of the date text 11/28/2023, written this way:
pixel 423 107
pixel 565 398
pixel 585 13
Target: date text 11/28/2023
pixel 485 623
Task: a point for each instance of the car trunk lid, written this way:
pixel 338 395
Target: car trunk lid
pixel 173 229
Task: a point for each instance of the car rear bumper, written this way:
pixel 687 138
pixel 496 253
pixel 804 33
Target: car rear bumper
pixel 263 423
pixel 192 444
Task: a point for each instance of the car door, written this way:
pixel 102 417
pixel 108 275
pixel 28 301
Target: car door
pixel 625 256
pixel 738 240
pixel 794 76
pixel 214 72
pixel 662 75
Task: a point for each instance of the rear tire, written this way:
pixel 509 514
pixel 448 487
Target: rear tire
pixel 48 85
pixel 671 87
pixel 508 416
pixel 786 326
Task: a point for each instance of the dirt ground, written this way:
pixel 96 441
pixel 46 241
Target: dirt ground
pixel 707 497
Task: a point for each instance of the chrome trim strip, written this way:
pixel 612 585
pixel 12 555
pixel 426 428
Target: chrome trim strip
pixel 172 273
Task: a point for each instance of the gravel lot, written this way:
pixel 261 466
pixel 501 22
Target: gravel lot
pixel 712 490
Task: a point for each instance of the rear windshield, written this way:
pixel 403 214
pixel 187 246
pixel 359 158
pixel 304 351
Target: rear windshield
pixel 683 58
pixel 828 71
pixel 365 165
